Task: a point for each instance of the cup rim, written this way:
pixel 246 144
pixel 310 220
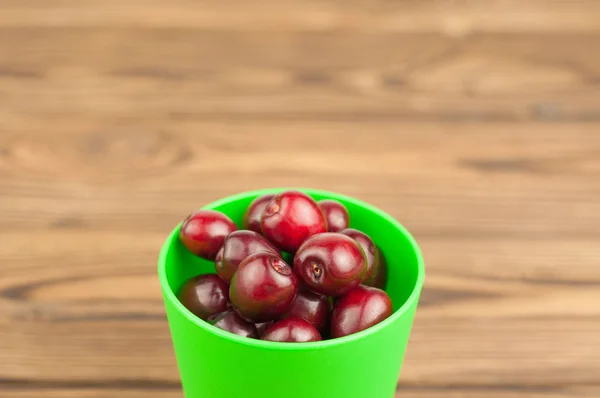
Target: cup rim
pixel 256 343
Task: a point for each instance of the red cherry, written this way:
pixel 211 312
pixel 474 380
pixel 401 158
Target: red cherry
pixel 203 232
pixel 233 323
pixel 219 258
pixel 376 267
pixel 361 308
pixel 336 214
pixel 379 280
pixel 254 213
pixel 292 330
pixel 205 295
pixel 311 307
pixel 263 287
pixel 291 218
pixel 330 263
pixel 239 245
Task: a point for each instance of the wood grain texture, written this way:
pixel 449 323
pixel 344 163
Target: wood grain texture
pixel 184 73
pixel 475 124
pixel 433 392
pixel 526 180
pixel 450 17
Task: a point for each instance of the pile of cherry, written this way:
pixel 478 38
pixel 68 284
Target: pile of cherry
pixel 332 290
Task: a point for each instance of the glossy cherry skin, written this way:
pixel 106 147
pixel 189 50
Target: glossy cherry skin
pixel 376 267
pixel 205 295
pixel 239 245
pixel 203 232
pixel 292 330
pixel 336 214
pixel 254 212
pixel 219 258
pixel 330 263
pixel 361 308
pixel 232 322
pixel 312 307
pixel 291 218
pixel 263 287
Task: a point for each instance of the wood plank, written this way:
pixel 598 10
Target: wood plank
pixel 52 392
pixel 543 351
pixel 469 180
pixel 419 392
pixel 500 391
pixel 90 393
pixel 453 18
pixel 183 73
pixel 85 279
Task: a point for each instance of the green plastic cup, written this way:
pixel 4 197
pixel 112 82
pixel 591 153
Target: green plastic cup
pixel 217 364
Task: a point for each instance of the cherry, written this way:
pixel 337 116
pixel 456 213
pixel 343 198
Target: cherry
pixel 376 267
pixel 262 327
pixel 330 263
pixel 239 245
pixel 311 307
pixel 232 322
pixel 204 295
pixel 219 258
pixel 203 232
pixel 263 287
pixel 292 330
pixel 254 212
pixel 336 214
pixel 379 280
pixel 361 308
pixel 291 218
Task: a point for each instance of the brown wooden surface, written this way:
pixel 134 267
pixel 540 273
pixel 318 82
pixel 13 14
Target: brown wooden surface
pixel 476 124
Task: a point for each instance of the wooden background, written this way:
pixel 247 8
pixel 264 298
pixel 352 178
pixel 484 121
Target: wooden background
pixel 475 123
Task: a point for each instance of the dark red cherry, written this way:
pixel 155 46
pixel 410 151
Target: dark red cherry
pixel 312 307
pixel 330 263
pixel 254 212
pixel 203 232
pixel 262 327
pixel 376 266
pixel 336 214
pixel 263 287
pixel 379 279
pixel 292 330
pixel 361 308
pixel 205 295
pixel 232 322
pixel 291 218
pixel 239 245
